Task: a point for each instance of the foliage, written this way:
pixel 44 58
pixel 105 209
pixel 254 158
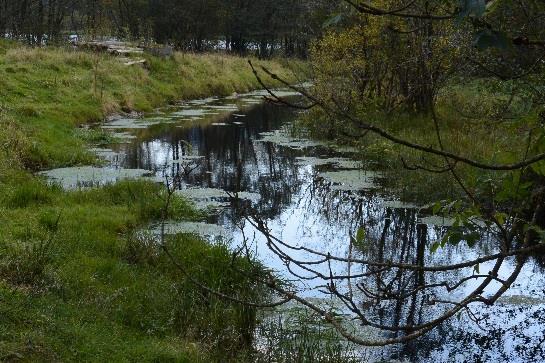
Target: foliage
pixel 87 289
pixel 379 62
pixel 297 335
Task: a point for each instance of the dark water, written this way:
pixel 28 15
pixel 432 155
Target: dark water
pixel 311 195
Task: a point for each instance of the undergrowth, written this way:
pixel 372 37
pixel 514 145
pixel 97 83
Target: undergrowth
pixel 46 93
pixel 480 130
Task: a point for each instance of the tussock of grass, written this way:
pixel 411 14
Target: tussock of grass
pixel 94 288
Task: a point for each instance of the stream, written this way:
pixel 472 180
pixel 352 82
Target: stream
pixel 316 195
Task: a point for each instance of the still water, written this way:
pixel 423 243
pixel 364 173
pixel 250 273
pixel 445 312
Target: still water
pixel 317 196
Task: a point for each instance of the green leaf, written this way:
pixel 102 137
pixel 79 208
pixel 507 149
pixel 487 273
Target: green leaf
pixel 501 217
pixel 436 208
pixel 539 168
pixel 455 238
pixel 472 238
pixel 435 246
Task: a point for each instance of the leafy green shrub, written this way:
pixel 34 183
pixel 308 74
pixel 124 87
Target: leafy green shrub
pixel 141 249
pixel 26 265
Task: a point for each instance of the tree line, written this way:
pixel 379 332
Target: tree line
pixel 265 27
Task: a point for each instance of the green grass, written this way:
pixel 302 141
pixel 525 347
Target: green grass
pixel 473 123
pixel 47 92
pixel 47 328
pixel 77 280
pixel 89 288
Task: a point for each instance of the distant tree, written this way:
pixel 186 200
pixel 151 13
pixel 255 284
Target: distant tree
pixel 264 27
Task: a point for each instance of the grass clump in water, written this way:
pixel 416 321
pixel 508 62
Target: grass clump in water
pixel 298 335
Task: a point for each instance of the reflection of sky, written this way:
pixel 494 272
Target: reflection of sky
pixel 305 210
pixel 308 221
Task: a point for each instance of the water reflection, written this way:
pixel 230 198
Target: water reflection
pixel 303 204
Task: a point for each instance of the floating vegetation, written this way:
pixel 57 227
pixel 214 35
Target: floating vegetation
pixel 254 101
pixel 351 180
pixel 127 123
pixel 157 119
pixel 203 101
pixel 137 123
pixel 88 176
pixel 224 107
pixel 210 205
pixel 123 137
pixel 341 163
pixel 281 138
pixel 518 300
pixel 397 204
pixel 192 112
pixel 212 193
pixel 103 153
pixel 211 198
pixel 438 221
pixel 345 149
pixel 277 93
pixel 198 228
pixel 313 161
pixel 187 159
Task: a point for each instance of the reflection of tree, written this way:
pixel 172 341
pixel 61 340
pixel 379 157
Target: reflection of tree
pixel 231 159
pixel 400 290
pixel 396 287
pixel 399 279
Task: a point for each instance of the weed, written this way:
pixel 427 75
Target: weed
pixel 25 264
pixel 297 335
pixel 141 249
pixel 107 295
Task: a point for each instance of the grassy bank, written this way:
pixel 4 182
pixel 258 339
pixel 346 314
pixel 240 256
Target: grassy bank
pixel 77 280
pixel 89 288
pixel 47 93
pixel 478 119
